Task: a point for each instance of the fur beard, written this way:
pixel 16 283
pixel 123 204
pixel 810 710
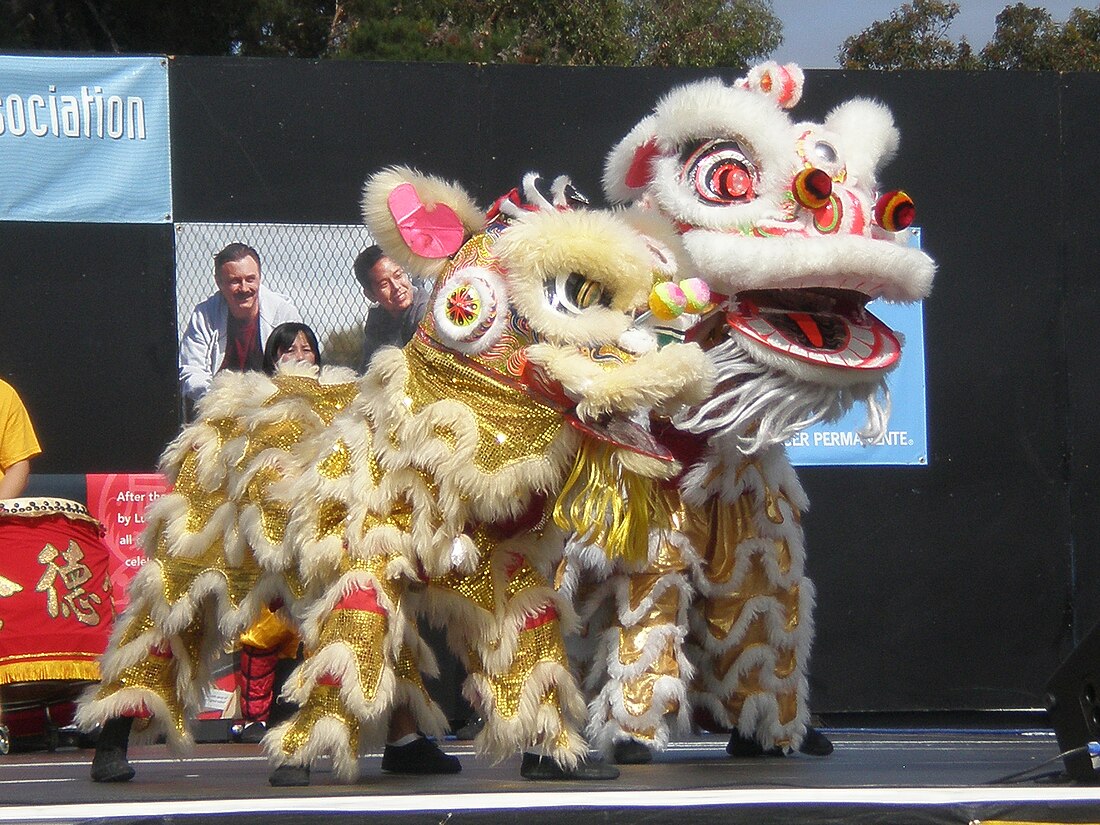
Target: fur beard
pixel 760 404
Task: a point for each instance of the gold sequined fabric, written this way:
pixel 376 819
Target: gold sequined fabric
pixel 512 427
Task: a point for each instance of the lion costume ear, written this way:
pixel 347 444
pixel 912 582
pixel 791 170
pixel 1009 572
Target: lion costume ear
pixel 627 168
pixel 418 220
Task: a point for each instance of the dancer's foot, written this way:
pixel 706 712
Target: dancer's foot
pixel 814 743
pixel 109 763
pixel 289 776
pixel 632 752
pixel 422 756
pixel 471 729
pixel 251 733
pixel 544 768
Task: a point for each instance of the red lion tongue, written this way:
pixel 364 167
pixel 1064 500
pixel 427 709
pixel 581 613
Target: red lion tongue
pixel 809 327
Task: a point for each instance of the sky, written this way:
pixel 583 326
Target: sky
pixel 814 29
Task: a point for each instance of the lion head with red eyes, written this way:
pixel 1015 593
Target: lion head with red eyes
pixel 787 222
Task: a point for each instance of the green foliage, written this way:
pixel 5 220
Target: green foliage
pixel 566 32
pixel 913 37
pixel 1028 38
pixel 916 37
pixel 703 32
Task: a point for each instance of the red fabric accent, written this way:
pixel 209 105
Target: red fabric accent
pixel 256 682
pixel 687 448
pixel 547 614
pixel 494 210
pixel 329 680
pixel 523 523
pixel 361 599
pixel 641 170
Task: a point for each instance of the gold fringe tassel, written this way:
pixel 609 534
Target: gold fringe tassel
pixel 45 671
pixel 609 506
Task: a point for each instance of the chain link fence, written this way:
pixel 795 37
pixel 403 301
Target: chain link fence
pixel 309 263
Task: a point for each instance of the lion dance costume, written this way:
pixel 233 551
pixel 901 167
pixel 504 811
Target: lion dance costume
pixel 785 224
pixel 425 487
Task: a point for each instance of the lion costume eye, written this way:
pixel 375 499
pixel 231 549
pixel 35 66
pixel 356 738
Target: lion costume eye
pixel 575 292
pixel 721 173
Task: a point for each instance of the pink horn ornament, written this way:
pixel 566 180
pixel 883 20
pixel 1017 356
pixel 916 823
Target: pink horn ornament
pixel 812 188
pixel 895 211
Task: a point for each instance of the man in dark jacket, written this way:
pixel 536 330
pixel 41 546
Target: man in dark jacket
pixel 400 302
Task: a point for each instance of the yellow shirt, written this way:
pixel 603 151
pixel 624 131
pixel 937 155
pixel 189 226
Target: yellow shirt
pixel 17 439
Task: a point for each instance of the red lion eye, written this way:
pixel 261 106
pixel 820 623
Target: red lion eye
pixel 731 181
pixel 721 173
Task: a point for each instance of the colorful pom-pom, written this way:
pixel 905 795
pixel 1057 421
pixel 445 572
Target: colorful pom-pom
pixel 895 211
pixel 811 188
pixel 696 294
pixel 667 301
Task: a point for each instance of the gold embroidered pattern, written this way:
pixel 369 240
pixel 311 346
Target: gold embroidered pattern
pixel 337 463
pixel 325 399
pixel 539 644
pixel 511 427
pixel 361 631
pixel 273 514
pixel 156 674
pixel 201 503
pixel 324 702
pixel 179 574
pixel 330 517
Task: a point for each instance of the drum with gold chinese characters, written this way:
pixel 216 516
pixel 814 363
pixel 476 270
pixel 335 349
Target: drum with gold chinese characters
pixel 55 609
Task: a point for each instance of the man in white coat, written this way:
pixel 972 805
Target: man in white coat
pixel 229 329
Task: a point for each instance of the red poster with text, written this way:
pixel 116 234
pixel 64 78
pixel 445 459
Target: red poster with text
pixel 119 500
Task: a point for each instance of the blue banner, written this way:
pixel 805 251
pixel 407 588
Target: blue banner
pixel 84 139
pixel 906 439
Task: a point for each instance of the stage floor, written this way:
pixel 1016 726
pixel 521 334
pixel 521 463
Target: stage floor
pixel 896 777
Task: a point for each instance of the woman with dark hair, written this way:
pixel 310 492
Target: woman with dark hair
pixel 291 341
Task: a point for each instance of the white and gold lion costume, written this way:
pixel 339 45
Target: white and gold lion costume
pixel 786 224
pixel 424 487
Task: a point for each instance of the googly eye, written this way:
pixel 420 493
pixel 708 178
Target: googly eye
pixel 576 292
pixel 721 173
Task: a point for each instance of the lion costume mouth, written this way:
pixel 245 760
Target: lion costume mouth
pixel 822 326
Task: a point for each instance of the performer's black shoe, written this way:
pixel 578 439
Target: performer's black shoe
pixel 251 733
pixel 289 776
pixel 109 763
pixel 420 757
pixel 814 743
pixel 544 768
pixel 471 729
pixel 632 752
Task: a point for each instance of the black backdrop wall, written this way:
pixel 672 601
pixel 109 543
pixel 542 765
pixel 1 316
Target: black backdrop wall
pixel 959 585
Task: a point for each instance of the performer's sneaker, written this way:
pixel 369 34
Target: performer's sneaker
pixel 814 743
pixel 632 752
pixel 420 757
pixel 289 776
pixel 543 768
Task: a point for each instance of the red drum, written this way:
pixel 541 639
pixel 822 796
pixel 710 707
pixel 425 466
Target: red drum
pixel 55 603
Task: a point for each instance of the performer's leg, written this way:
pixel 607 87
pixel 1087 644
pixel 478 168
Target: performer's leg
pixel 640 670
pixel 151 672
pixel 754 625
pixel 504 618
pixel 363 664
